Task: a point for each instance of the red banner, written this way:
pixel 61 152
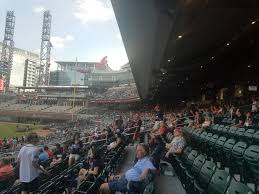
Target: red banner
pixel 1 84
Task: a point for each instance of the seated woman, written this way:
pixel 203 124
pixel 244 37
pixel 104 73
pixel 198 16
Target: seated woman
pixel 178 143
pixel 6 169
pixel 93 166
pixel 135 174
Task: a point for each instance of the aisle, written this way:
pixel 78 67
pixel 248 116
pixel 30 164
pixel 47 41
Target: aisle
pixel 168 185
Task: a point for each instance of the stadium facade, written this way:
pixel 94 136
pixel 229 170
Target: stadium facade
pixel 91 74
pixel 24 69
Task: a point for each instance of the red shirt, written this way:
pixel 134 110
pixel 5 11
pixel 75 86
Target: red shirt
pixel 162 130
pixel 50 154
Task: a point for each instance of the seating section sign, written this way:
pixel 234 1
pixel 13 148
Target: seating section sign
pixel 1 84
pixel 252 88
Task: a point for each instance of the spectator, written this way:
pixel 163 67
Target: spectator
pixel 178 143
pixel 239 118
pixel 49 152
pixel 93 167
pixel 43 156
pixel 76 146
pixel 254 105
pixel 29 167
pixel 6 169
pixel 207 122
pixel 137 173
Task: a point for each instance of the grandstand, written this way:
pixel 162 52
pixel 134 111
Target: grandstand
pixel 189 125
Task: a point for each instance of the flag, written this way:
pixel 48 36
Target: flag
pixel 1 84
pixel 102 64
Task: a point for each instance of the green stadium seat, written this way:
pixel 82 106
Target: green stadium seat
pixel 194 172
pixel 251 157
pixel 248 135
pixel 185 165
pixel 238 159
pixel 225 130
pixel 238 188
pixel 240 133
pixel 232 131
pixel 201 140
pixel 211 145
pixel 219 182
pixel 218 149
pixel 256 137
pixel 227 149
pixel 203 179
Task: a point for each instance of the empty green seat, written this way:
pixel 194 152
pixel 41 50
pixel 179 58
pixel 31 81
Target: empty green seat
pixel 238 160
pixel 251 157
pixel 218 148
pixel 232 131
pixel 225 130
pixel 227 149
pixel 240 133
pixel 238 188
pixel 203 179
pixel 248 135
pixel 256 137
pixel 219 182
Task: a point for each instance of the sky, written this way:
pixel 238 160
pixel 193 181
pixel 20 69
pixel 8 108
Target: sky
pixel 82 29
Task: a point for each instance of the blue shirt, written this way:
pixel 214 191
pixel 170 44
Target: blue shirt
pixel 134 173
pixel 43 156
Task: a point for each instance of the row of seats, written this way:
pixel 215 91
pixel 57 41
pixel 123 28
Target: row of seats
pixel 249 135
pixel 238 156
pixel 199 173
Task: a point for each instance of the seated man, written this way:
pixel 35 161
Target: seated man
pixel 136 174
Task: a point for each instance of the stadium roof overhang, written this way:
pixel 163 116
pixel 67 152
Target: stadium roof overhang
pixel 179 48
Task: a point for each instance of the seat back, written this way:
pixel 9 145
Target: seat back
pixel 251 157
pixel 238 188
pixel 256 137
pixel 219 182
pixel 197 164
pixel 191 157
pixel 207 170
pixel 213 140
pixel 239 150
pixel 248 135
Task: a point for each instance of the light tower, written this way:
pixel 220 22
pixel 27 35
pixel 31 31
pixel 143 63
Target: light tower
pixel 7 49
pixel 45 50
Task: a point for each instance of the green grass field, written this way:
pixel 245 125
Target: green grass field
pixel 9 129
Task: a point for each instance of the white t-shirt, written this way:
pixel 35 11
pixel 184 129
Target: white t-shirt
pixel 27 154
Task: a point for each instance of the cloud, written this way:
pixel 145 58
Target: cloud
pixel 117 57
pixel 59 42
pixel 38 9
pixel 69 38
pixel 93 11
